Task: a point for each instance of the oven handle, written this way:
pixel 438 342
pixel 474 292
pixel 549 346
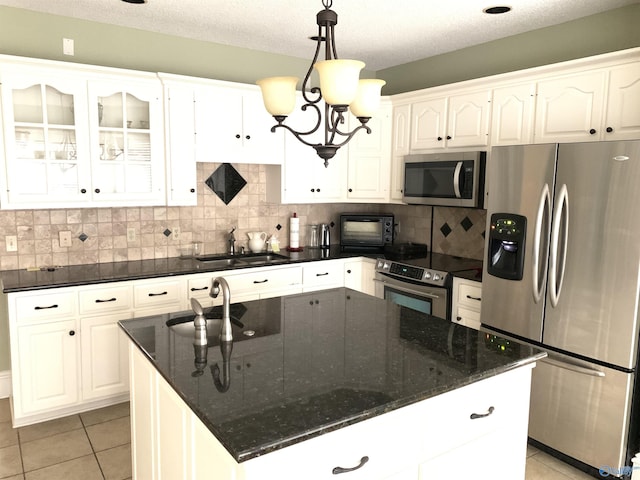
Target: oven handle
pixel 415 292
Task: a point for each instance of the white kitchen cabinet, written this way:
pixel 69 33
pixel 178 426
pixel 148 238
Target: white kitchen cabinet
pixel 180 143
pixel 459 120
pixel 47 146
pixel 570 108
pixel 261 282
pixel 359 274
pixel 401 135
pixel 512 114
pixel 104 357
pixel 45 365
pixel 232 126
pixel 322 275
pixel 369 158
pixel 127 131
pixel 622 121
pixel 80 136
pixel 467 302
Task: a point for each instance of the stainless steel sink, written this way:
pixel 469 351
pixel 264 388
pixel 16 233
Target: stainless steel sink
pixel 217 262
pixel 260 259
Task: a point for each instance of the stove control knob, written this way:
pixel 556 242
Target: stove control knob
pixel 436 277
pixel 427 275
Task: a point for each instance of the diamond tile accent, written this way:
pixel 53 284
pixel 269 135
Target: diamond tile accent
pixel 445 229
pixel 167 232
pixel 278 227
pixel 466 224
pixel 225 182
pixel 83 237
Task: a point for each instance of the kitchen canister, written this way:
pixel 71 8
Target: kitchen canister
pixel 314 236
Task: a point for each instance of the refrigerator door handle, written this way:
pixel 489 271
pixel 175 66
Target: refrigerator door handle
pixel 456 180
pixel 558 255
pixel 540 267
pixel 573 367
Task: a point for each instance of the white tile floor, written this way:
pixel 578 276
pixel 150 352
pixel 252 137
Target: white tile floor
pixel 91 445
pixel 97 445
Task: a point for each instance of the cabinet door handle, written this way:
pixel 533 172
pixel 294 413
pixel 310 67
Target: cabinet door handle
pixel 339 470
pixel 113 299
pixel 261 281
pixel 592 131
pixel 237 135
pixel 448 137
pixel 248 137
pixel 72 333
pixel 45 308
pixel 194 289
pixel 322 274
pixel 482 415
pixel 348 271
pixel 157 294
pixel 192 190
pixel 97 190
pixel 439 139
pixel 609 129
pixel 83 190
pixel 458 318
pixel 474 298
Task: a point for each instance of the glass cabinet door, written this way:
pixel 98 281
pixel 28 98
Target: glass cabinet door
pixel 47 159
pixel 127 160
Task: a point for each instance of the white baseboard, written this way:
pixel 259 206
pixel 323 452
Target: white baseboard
pixel 5 383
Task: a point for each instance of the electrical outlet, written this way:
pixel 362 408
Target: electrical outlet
pixel 131 234
pixel 67 46
pixel 65 238
pixel 11 241
pixel 176 233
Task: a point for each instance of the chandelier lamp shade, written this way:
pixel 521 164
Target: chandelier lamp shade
pixel 340 88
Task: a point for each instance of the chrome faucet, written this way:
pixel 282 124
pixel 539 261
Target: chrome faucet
pixel 232 242
pixel 200 324
pixel 219 283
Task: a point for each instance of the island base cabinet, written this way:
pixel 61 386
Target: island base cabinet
pixel 477 432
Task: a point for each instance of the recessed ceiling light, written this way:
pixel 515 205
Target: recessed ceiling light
pixel 135 1
pixel 497 10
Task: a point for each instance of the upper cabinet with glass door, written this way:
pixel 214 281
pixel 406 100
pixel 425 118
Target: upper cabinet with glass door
pixel 80 136
pixel 127 142
pixel 46 141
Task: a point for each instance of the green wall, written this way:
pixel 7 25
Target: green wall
pixel 606 32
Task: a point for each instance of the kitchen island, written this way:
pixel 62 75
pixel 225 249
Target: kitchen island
pixel 325 383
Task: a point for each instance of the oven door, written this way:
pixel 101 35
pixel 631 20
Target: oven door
pixel 423 298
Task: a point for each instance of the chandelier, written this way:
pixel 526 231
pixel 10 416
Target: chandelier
pixel 340 88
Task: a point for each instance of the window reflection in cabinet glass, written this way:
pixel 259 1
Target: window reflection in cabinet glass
pixel 27 105
pixel 122 110
pixel 60 109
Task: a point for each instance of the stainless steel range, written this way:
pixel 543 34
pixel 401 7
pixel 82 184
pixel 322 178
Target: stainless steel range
pixel 424 283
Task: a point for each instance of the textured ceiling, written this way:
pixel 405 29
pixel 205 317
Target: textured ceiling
pixel 383 33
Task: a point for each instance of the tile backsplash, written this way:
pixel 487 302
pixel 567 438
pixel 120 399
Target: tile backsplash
pixel 102 235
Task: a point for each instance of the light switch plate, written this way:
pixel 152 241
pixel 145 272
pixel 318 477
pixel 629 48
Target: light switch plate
pixel 65 238
pixel 11 241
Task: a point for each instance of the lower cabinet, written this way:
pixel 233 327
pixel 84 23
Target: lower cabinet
pixel 466 303
pixel 359 274
pixel 478 431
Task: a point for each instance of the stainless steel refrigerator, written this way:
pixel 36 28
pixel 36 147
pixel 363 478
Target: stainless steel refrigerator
pixel 562 271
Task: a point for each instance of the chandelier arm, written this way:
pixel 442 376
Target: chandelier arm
pixel 337 117
pixel 351 134
pixel 305 82
pixel 298 135
pixel 333 43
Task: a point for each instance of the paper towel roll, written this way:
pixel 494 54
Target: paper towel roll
pixel 294 231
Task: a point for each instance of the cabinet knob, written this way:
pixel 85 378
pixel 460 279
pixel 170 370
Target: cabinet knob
pixel 317 302
pixel 83 190
pixel 458 318
pixel 350 190
pixel 248 137
pixel 439 139
pixel 448 137
pixel 310 302
pixel 609 129
pixel 348 271
pixel 318 190
pixel 72 333
pixel 193 190
pixel 97 190
pixel 313 190
pixel 592 131
pixel 237 135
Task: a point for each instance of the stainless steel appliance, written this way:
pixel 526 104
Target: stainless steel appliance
pixel 449 179
pixel 422 284
pixel 325 236
pixel 563 272
pixel 365 231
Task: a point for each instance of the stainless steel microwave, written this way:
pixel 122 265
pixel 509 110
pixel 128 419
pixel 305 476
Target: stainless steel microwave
pixel 365 232
pixel 448 179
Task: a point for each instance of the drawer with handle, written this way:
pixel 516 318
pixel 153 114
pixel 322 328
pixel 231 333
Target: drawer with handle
pixel 151 294
pixel 105 299
pixel 470 294
pixel 43 307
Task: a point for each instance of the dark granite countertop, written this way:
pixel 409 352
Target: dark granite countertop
pixel 74 275
pixel 316 362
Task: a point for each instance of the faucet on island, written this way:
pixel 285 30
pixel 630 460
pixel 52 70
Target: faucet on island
pixel 219 283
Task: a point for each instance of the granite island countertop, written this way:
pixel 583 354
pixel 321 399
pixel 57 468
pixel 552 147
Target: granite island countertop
pixel 306 364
